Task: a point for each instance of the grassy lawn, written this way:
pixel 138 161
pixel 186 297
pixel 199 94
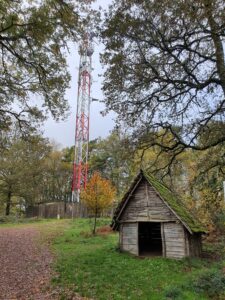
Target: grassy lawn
pixel 93 267
pixel 15 222
pixel 49 228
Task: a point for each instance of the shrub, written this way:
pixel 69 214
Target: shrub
pixel 7 219
pixel 211 283
pixel 220 222
pixel 173 292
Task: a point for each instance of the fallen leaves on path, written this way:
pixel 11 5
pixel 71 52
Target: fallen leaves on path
pixel 25 266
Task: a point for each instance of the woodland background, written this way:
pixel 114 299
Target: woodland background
pixel 164 77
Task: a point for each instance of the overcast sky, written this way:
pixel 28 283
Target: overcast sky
pixel 64 132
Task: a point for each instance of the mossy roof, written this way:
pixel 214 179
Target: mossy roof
pixel 177 206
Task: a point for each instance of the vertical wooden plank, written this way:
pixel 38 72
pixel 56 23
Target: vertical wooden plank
pixel 195 245
pixel 121 236
pixel 138 239
pixel 187 245
pixel 146 193
pixel 147 199
pixel 163 240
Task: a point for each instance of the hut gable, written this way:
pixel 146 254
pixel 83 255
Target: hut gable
pixel 176 205
pixel 145 205
pixel 148 199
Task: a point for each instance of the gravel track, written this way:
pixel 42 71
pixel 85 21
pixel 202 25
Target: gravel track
pixel 24 265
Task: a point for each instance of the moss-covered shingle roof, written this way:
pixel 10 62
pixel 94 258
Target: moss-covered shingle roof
pixel 177 207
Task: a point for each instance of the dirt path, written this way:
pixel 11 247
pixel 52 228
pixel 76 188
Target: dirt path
pixel 24 265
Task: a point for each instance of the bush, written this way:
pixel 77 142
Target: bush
pixel 211 283
pixel 173 292
pixel 8 219
pixel 219 221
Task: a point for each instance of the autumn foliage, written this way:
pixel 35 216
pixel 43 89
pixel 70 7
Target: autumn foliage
pixel 98 195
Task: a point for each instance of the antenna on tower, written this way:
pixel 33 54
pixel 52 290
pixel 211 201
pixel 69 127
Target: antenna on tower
pixel 80 164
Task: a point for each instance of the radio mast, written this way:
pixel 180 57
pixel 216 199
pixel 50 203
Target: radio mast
pixel 80 164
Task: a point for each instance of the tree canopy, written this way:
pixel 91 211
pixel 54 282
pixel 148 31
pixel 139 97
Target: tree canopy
pixel 34 38
pixel 21 170
pixel 111 157
pixel 166 70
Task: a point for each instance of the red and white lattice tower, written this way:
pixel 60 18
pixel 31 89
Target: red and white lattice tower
pixel 80 165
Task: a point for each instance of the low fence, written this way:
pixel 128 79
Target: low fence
pixel 57 210
pixel 62 210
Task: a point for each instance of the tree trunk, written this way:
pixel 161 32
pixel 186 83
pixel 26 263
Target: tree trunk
pixel 219 50
pixel 95 221
pixel 65 202
pixel 8 204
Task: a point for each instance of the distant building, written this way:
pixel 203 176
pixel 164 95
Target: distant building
pixel 152 221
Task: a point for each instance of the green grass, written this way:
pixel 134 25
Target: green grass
pixel 14 222
pixel 93 267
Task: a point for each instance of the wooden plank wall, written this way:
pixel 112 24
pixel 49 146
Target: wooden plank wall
pixel 174 240
pixel 145 205
pixel 129 237
pixel 195 244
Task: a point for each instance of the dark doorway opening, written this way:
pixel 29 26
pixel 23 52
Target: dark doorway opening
pixel 150 240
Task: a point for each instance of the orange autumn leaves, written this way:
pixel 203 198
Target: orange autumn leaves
pixel 99 194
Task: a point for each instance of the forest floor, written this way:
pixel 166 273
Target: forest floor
pixel 26 261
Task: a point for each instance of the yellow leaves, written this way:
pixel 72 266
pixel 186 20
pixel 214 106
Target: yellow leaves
pixel 99 194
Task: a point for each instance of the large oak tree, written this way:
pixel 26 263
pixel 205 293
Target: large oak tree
pixel 34 38
pixel 166 71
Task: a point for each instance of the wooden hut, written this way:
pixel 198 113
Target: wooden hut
pixel 152 221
